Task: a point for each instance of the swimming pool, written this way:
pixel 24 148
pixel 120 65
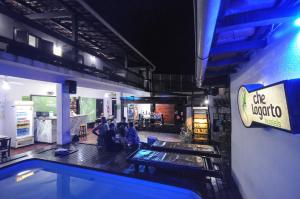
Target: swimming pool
pixel 43 179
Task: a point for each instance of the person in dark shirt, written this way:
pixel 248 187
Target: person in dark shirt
pixel 122 129
pixel 110 141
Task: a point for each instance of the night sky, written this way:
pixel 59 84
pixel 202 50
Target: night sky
pixel 163 30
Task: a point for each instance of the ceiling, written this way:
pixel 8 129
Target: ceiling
pixel 243 26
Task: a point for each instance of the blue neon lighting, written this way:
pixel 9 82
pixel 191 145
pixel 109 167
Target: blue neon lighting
pixel 297 22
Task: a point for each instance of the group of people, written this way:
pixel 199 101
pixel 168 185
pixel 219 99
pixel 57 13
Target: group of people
pixel 115 138
pixel 147 120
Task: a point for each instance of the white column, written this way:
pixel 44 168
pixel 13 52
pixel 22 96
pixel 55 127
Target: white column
pixel 119 109
pixel 63 114
pixel 106 105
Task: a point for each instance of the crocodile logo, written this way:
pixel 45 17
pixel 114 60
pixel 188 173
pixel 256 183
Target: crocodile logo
pixel 243 106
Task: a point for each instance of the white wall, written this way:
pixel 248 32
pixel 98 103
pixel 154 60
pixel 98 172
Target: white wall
pixel 265 161
pixel 25 87
pixel 144 108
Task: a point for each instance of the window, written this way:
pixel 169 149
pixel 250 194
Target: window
pixel 32 41
pixel 20 35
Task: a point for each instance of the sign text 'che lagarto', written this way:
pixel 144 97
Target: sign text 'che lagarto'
pixel 273 105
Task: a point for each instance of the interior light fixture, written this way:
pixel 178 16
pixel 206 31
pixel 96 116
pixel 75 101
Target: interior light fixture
pixel 106 95
pixel 297 22
pixel 206 101
pixel 5 85
pixel 57 50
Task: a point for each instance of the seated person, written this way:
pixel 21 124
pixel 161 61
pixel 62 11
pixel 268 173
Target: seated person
pixel 132 138
pixel 122 131
pixel 110 141
pixel 124 125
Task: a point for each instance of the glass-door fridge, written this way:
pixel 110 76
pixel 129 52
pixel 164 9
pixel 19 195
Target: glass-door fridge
pixel 19 123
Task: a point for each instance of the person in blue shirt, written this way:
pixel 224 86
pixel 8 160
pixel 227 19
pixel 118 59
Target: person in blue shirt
pixel 100 131
pixel 132 138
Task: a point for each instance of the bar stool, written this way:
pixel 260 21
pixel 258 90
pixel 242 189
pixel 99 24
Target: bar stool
pixel 83 130
pixel 5 147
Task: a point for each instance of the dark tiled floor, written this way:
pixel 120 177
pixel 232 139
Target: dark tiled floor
pixel 170 137
pixel 89 156
pixel 36 146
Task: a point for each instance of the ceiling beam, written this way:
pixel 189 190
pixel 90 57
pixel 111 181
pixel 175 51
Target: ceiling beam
pixel 257 18
pixel 219 73
pixel 228 61
pixel 217 81
pixel 239 46
pixel 49 15
pixel 117 34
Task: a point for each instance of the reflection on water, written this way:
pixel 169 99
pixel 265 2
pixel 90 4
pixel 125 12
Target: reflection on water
pixel 23 175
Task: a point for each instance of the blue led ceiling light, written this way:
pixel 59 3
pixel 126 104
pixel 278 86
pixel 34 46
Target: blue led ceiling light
pixel 297 22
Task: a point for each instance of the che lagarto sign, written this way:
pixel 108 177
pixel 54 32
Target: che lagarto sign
pixel 267 106
pixel 261 106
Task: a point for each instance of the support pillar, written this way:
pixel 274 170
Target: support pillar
pixel 63 113
pixel 119 106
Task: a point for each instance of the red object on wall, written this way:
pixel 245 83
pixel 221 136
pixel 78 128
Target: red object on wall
pixel 168 111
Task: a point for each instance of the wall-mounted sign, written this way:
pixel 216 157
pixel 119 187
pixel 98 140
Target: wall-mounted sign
pixel 276 105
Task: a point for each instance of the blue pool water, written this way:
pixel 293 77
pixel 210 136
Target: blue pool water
pixel 42 179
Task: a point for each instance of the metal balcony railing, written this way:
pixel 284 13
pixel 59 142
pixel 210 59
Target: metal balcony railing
pixel 173 83
pixel 22 49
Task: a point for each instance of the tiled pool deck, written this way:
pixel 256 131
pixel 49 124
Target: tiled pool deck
pixel 88 156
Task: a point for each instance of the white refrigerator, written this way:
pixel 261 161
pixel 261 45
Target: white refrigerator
pixel 19 123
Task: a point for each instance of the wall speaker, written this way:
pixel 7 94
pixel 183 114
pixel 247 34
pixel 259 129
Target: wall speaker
pixel 72 85
pixel 214 91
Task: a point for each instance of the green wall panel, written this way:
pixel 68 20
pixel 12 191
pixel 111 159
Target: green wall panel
pixel 88 107
pixel 44 103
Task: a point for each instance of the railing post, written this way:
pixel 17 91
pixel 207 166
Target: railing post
pixel 181 82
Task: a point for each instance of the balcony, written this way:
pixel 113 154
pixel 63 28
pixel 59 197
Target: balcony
pixel 173 83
